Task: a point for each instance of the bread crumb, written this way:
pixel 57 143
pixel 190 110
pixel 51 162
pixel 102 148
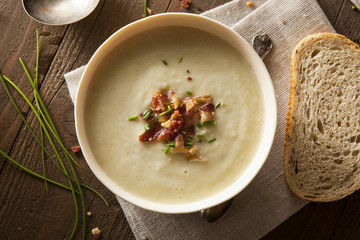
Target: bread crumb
pixel 283 21
pixel 249 4
pixel 88 213
pixel 149 11
pixel 95 232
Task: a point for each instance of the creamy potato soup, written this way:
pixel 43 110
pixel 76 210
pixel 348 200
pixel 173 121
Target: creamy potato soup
pixel 123 87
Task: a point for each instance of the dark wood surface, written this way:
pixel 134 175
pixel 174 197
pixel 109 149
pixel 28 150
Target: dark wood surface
pixel 27 211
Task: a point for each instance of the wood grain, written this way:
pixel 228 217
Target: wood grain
pixel 28 211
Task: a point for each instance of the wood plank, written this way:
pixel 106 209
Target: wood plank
pixel 331 9
pixel 348 223
pixel 348 22
pixel 314 221
pixel 18 40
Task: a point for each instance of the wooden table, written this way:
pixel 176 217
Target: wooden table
pixel 27 211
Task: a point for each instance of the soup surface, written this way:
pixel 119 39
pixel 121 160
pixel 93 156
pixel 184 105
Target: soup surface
pixel 123 87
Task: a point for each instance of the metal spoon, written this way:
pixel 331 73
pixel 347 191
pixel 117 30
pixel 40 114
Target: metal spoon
pixel 262 45
pixel 59 12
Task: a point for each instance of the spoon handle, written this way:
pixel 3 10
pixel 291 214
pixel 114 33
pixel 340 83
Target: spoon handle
pixel 262 45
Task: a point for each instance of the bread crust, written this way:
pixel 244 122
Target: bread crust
pixel 294 74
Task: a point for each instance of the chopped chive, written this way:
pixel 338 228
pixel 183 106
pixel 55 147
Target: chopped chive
pixel 222 104
pixel 169 107
pixel 209 123
pixel 146 114
pixel 199 140
pixel 353 7
pixel 132 118
pixel 217 105
pixel 163 113
pixel 180 59
pixel 189 93
pixel 164 103
pixel 156 118
pixel 211 140
pixel 181 105
pixel 166 150
pixel 199 125
pixel 145 8
pixel 171 144
pixel 166 141
pixel 165 63
pixel 200 135
pixel 183 132
pixel 148 127
pixel 188 144
pixel 189 139
pixel 188 71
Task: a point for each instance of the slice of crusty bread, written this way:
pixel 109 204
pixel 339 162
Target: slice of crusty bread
pixel 322 149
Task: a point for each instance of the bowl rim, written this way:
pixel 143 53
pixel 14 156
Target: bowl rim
pixel 270 114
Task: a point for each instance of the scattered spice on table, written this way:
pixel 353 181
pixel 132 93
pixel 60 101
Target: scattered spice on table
pixel 186 3
pixel 76 149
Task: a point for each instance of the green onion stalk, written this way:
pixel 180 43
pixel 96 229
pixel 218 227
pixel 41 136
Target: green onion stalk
pixel 48 129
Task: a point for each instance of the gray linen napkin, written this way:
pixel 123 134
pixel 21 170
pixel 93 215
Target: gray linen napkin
pixel 267 201
pixel 356 3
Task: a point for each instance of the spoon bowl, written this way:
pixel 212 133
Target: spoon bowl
pixel 59 12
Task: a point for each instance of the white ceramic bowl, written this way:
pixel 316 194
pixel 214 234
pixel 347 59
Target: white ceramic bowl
pixel 217 29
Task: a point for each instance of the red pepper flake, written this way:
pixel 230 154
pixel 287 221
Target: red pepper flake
pixel 283 21
pixel 186 3
pixel 75 149
pixel 189 78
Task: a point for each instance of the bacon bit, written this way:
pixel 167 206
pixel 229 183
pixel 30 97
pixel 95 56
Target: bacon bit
pixel 176 101
pixel 204 99
pixel 157 101
pixel 196 158
pixel 175 122
pixel 190 130
pixel 157 133
pixel 189 78
pixel 164 118
pixel 207 112
pixel 178 123
pixel 186 3
pixel 190 104
pixel 193 150
pixel 249 4
pixel 179 145
pixel 179 141
pixel 162 134
pixel 75 149
pixel 166 124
